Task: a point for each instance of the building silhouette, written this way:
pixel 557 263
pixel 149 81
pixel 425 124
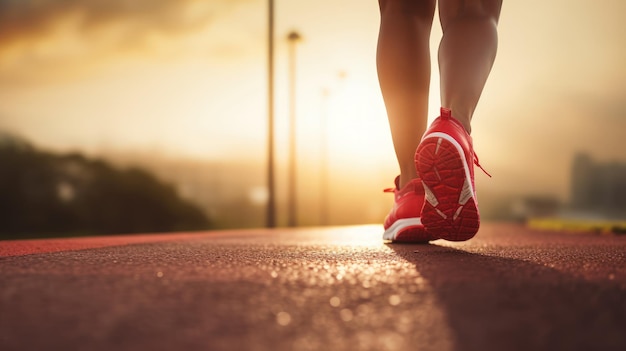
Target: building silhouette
pixel 598 188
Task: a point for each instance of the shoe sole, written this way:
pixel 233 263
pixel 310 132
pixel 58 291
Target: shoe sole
pixel 407 230
pixel 450 210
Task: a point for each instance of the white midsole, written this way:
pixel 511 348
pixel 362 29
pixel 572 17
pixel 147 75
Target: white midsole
pixel 392 232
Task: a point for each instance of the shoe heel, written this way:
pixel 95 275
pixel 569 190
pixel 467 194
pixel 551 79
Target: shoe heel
pixel 450 210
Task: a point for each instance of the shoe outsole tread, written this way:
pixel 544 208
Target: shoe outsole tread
pixel 416 234
pixel 450 210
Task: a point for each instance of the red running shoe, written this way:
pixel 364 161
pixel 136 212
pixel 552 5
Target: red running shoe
pixel 403 223
pixel 445 162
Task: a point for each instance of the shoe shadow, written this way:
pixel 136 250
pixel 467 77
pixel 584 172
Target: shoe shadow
pixel 496 303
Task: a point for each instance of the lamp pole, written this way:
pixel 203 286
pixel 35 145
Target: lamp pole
pixel 271 199
pixel 324 204
pixel 292 218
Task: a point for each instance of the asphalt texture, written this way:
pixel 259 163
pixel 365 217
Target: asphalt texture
pixel 509 288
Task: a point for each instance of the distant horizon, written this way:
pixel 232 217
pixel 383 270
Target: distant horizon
pixel 224 188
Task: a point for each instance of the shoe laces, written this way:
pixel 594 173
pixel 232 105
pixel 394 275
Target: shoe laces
pixel 477 163
pixel 416 186
pixel 397 187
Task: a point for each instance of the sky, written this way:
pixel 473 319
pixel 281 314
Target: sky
pixel 187 78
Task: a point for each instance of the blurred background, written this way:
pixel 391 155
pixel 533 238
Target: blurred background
pixel 151 115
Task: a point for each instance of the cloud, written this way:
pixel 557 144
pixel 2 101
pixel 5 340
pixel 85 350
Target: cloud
pixel 121 23
pixel 31 18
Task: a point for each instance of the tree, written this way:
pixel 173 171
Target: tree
pixel 45 194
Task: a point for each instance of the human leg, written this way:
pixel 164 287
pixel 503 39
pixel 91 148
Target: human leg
pixel 403 63
pixel 466 53
pixel 445 157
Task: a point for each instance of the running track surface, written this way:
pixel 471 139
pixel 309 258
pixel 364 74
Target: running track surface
pixel 510 288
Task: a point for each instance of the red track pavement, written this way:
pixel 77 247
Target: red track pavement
pixel 509 288
pixel 37 246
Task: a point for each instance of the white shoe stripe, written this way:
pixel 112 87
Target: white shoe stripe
pixel 430 196
pixel 443 215
pixel 457 213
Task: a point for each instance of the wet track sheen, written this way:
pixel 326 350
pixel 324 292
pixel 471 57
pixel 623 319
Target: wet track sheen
pixel 308 289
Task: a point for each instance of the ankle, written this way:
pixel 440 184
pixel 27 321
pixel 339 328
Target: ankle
pixel 466 124
pixel 405 178
pixel 464 118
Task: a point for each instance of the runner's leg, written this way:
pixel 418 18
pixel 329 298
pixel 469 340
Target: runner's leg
pixel 403 62
pixel 466 53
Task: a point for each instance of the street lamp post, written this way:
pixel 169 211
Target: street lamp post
pixel 271 198
pixel 324 204
pixel 292 219
pixel 324 154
